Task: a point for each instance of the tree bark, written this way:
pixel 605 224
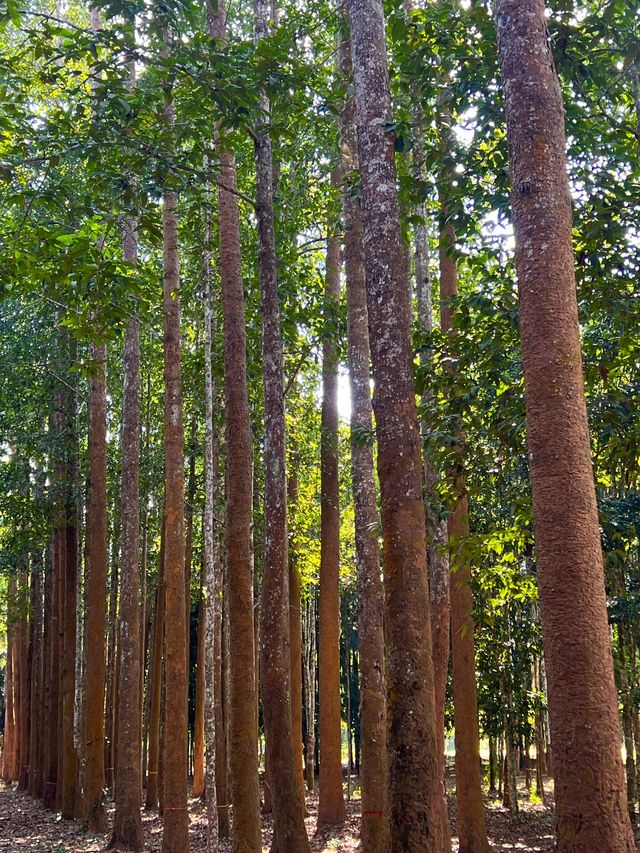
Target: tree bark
pixel 591 802
pixel 437 534
pixel 309 684
pixel 175 837
pixel 69 755
pixel 95 597
pixel 331 808
pixel 11 710
pixel 26 656
pixel 210 613
pixel 415 791
pixel 295 642
pixel 374 828
pixel 289 832
pixel 245 790
pixel 471 820
pixel 155 683
pixel 127 824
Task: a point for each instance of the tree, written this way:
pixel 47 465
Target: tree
pixel 373 767
pixel 243 730
pixel 592 810
pixel 175 836
pixel 288 821
pixel 331 809
pixel 95 598
pixel 471 822
pixel 127 823
pixel 415 798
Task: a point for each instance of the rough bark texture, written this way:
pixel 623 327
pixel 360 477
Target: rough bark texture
pixel 374 830
pixel 591 802
pixel 309 684
pixel 69 617
pixel 415 798
pixel 50 760
pixel 197 787
pixel 471 820
pixel 36 666
pixel 25 680
pixel 8 746
pixel 209 613
pixel 127 824
pixel 288 820
pixel 437 538
pixel 95 597
pixel 175 837
pixel 243 741
pixel 295 644
pixel 155 684
pixel 331 808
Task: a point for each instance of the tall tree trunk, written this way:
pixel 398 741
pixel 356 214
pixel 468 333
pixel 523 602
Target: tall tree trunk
pixel 437 535
pixel 8 747
pixel 69 755
pixel 295 641
pixel 95 597
pixel 374 831
pixel 471 821
pixel 26 659
pixel 155 683
pixel 112 660
pixel 210 612
pixel 289 833
pixel 591 802
pixel 309 684
pixel 188 520
pixel 331 808
pixel 175 837
pixel 245 792
pixel 215 729
pixel 36 676
pixel 127 823
pixel 198 786
pixel 415 791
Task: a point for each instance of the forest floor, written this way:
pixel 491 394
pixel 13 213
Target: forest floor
pixel 26 826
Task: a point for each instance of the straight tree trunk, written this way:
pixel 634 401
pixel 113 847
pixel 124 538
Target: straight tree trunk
pixel 175 837
pixel 374 829
pixel 9 749
pixel 69 779
pixel 155 683
pixel 95 597
pixel 591 802
pixel 289 832
pixel 26 659
pixel 52 687
pixel 331 808
pixel 415 789
pixel 198 786
pixel 112 659
pixel 471 821
pixel 309 684
pixel 217 782
pixel 35 726
pixel 437 535
pixel 127 823
pixel 211 605
pixel 243 730
pixel 295 641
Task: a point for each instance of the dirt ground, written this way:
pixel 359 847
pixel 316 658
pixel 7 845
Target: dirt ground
pixel 26 826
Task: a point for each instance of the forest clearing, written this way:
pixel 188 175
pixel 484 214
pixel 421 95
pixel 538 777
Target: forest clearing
pixel 320 426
